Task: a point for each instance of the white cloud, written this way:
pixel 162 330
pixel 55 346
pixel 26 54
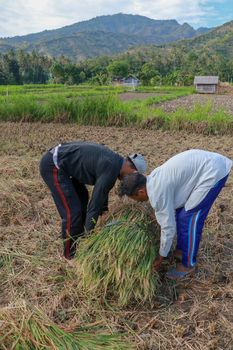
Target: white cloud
pixel 19 17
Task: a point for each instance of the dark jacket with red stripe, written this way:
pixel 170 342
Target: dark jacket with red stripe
pixel 91 164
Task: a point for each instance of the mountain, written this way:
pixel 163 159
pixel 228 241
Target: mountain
pixel 84 45
pixel 218 41
pixel 104 35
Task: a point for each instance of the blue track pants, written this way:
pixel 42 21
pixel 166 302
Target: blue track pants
pixel 190 224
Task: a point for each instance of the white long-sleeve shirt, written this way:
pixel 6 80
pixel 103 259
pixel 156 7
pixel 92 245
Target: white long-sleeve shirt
pixel 183 181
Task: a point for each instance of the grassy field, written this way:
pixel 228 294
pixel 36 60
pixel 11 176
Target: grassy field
pixel 88 89
pixel 110 106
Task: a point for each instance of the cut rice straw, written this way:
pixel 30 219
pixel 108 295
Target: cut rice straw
pixel 24 327
pixel 116 260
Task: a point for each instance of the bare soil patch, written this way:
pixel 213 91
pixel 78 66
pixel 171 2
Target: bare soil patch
pixel 224 102
pixel 194 315
pixel 127 96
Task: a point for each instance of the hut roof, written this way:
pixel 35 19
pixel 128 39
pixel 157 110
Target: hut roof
pixel 206 80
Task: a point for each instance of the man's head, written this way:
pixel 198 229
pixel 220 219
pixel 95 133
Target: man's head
pixel 134 186
pixel 134 162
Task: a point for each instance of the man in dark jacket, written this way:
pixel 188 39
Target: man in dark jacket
pixel 67 168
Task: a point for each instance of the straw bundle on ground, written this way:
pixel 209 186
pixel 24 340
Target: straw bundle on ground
pixel 23 327
pixel 116 260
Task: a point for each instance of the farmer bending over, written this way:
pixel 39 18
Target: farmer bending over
pixel 67 168
pixel 181 191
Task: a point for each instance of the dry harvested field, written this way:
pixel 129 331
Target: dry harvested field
pixel 194 315
pixel 224 102
pixel 126 96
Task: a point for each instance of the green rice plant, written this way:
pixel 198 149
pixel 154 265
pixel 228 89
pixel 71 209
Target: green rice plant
pixel 101 106
pixel 23 327
pixel 220 122
pixel 102 110
pixel 19 108
pixel 201 119
pixel 163 89
pixel 57 109
pixel 116 260
pixel 89 110
pixel 49 89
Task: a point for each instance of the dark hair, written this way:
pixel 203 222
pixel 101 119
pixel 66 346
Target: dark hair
pixel 130 184
pixel 131 164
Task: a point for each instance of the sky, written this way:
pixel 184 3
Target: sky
pixel 20 17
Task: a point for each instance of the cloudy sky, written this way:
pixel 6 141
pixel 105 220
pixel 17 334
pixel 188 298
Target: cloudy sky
pixel 19 17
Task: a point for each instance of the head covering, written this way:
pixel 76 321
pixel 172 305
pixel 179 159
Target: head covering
pixel 139 162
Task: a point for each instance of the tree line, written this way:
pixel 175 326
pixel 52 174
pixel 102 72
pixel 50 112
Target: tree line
pixel 152 65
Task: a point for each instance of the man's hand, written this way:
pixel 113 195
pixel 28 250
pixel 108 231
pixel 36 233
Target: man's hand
pixel 157 263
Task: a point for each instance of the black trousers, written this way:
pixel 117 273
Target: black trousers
pixel 71 199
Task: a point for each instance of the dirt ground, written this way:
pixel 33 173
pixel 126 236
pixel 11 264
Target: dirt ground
pixel 224 102
pixel 126 96
pixel 194 315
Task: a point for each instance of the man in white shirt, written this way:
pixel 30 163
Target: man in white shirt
pixel 181 191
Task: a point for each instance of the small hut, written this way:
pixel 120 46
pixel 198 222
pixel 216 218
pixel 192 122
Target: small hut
pixel 206 84
pixel 130 81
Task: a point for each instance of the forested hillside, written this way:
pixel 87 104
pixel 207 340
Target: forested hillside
pixel 100 36
pixel 172 64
